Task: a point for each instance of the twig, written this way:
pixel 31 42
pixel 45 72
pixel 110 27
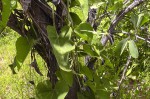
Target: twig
pixel 118 18
pixel 123 74
pixel 142 39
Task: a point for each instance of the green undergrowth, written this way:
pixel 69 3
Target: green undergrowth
pixel 16 86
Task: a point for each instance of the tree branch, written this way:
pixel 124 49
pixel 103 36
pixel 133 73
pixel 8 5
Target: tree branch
pixel 118 18
pixel 142 38
pixel 123 74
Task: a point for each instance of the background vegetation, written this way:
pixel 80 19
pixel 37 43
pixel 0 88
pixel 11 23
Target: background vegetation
pixel 18 85
pixel 85 49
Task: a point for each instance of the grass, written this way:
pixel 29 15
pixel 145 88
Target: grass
pixel 16 86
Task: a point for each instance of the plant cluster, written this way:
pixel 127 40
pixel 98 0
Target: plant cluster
pixel 72 38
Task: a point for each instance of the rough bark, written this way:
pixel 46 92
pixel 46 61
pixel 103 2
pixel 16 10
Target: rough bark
pixel 41 15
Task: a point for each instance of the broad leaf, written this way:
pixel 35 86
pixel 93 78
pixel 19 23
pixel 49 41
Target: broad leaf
pixel 142 19
pixel 61 89
pixel 8 6
pixel 129 71
pixel 44 90
pixel 87 91
pixel 52 33
pixel 134 19
pixel 81 96
pixel 23 46
pixel 85 8
pixel 107 61
pixel 88 49
pixel 102 94
pixel 75 18
pixel 85 70
pixel 121 46
pixel 66 32
pixel 62 45
pixel 5 13
pixel 133 49
pixel 78 11
pixel 84 30
pixel 62 96
pixel 67 77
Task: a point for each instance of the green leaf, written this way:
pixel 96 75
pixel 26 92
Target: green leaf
pixel 95 39
pixel 61 86
pixel 88 49
pixel 102 94
pixel 85 8
pixel 81 96
pixel 129 72
pixel 88 93
pixel 66 32
pixel 62 96
pixel 8 6
pixel 107 60
pixel 44 86
pixel 44 90
pixel 116 5
pixel 92 86
pixel 121 46
pixel 85 70
pixel 133 49
pixel 142 19
pixel 102 89
pixel 132 77
pixel 78 11
pixel 134 19
pixel 61 45
pixel 13 65
pixel 61 89
pixel 23 47
pixel 96 4
pixel 67 77
pixel 5 13
pixel 84 30
pixel 13 4
pixel 75 18
pixel 52 33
